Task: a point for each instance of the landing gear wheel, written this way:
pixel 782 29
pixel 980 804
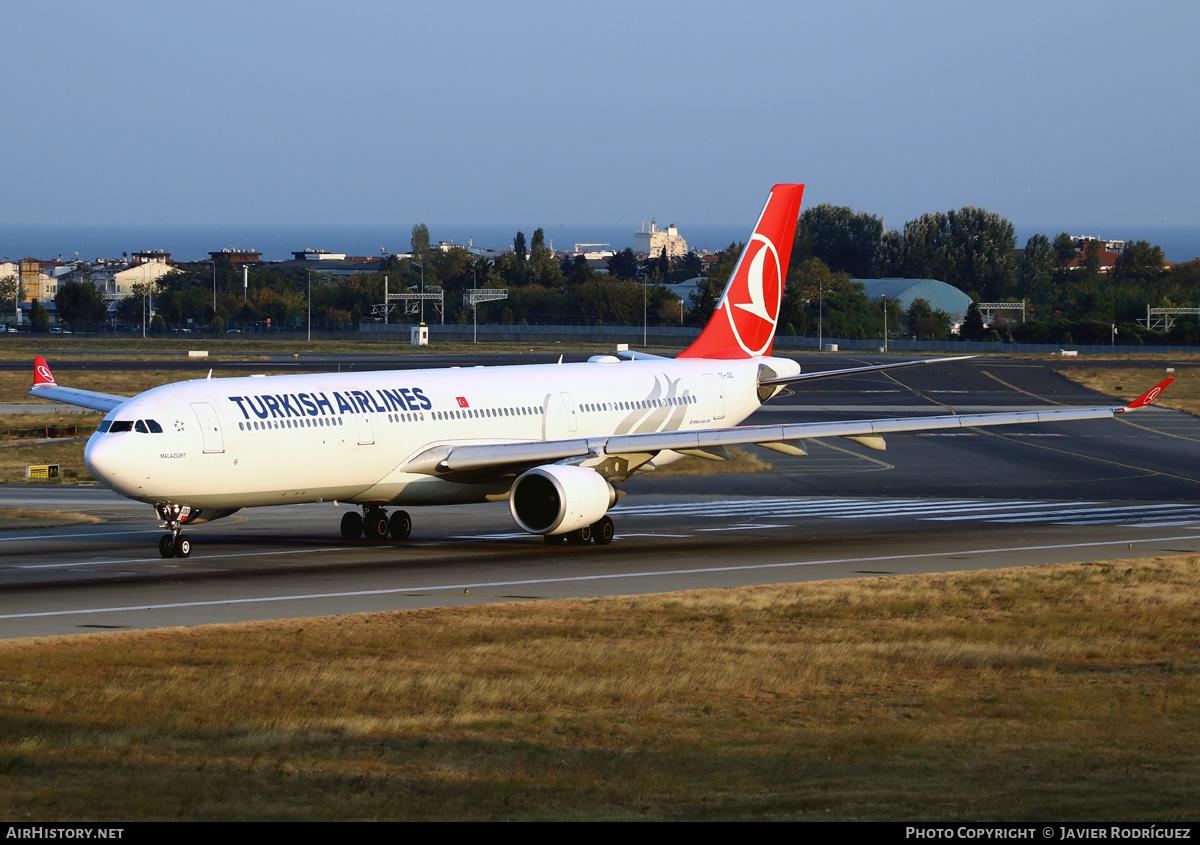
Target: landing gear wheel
pixel 375 526
pixel 554 539
pixel 165 544
pixel 352 526
pixel 182 546
pixel 603 531
pixel 580 536
pixel 400 525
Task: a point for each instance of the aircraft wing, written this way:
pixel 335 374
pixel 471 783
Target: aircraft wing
pixel 510 457
pixel 45 387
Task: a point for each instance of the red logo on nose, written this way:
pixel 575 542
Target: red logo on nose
pixel 752 301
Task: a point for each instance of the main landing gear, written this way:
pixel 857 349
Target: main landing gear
pixel 175 544
pixel 375 525
pixel 601 533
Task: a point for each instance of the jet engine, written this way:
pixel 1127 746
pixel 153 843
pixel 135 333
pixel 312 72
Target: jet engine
pixel 557 499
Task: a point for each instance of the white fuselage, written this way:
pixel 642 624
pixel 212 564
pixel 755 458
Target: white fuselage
pixel 246 442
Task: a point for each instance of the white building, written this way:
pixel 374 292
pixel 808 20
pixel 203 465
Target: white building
pixel 115 278
pixel 654 241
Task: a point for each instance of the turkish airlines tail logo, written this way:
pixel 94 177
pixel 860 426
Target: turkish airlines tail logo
pixel 41 372
pixel 743 325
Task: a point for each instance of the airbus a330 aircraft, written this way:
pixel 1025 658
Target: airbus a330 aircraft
pixel 552 439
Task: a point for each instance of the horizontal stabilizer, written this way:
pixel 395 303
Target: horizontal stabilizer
pixel 855 370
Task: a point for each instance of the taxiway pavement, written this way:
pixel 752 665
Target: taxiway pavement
pixel 977 499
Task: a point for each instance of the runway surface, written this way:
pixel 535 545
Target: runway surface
pixel 974 499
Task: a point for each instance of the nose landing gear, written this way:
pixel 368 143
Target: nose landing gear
pixel 175 544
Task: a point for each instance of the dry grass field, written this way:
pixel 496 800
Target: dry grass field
pixel 1056 693
pixel 20 518
pixel 1130 383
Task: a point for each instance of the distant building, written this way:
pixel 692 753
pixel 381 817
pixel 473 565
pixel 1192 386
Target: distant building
pixel 237 257
pixel 318 255
pixel 654 241
pixel 330 263
pixel 115 278
pixel 939 295
pixel 1110 251
pixel 38 279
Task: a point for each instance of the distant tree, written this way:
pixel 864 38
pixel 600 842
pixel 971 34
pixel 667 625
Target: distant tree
pixel 537 247
pixel 1064 249
pixel 420 242
pixel 623 265
pixel 844 239
pixel 663 265
pixel 972 325
pixel 79 302
pixel 708 292
pixel 576 270
pixel 1139 263
pixel 807 285
pixel 519 247
pixel 9 293
pixel 924 323
pixel 688 267
pixel 1036 271
pixel 39 316
pixel 970 248
pixel 1089 273
pixel 422 254
pixel 544 269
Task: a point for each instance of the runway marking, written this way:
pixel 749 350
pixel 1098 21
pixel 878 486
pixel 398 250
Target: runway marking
pixel 747 527
pixel 80 534
pixel 1142 470
pixel 1014 512
pixel 924 396
pixel 587 578
pixel 1157 431
pixel 993 376
pixel 84 564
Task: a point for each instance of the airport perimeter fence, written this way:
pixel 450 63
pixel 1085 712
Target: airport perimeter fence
pixel 668 336
pixel 681 336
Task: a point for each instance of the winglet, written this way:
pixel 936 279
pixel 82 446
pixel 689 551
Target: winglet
pixel 41 373
pixel 1149 396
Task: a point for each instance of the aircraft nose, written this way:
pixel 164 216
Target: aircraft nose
pixel 102 455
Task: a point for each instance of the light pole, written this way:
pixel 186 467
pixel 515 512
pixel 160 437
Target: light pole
pixel 645 300
pixel 421 289
pixel 310 305
pixel 821 315
pixel 884 298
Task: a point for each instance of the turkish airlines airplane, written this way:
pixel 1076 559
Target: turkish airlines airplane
pixel 553 440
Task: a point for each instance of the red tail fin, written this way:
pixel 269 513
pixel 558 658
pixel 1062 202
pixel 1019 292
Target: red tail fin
pixel 743 326
pixel 41 372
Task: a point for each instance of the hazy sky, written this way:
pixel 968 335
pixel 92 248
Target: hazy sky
pixel 552 113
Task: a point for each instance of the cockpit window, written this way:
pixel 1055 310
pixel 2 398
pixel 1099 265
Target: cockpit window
pixel 154 427
pixel 140 425
pixel 121 425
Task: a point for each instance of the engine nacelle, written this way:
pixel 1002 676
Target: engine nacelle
pixel 556 499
